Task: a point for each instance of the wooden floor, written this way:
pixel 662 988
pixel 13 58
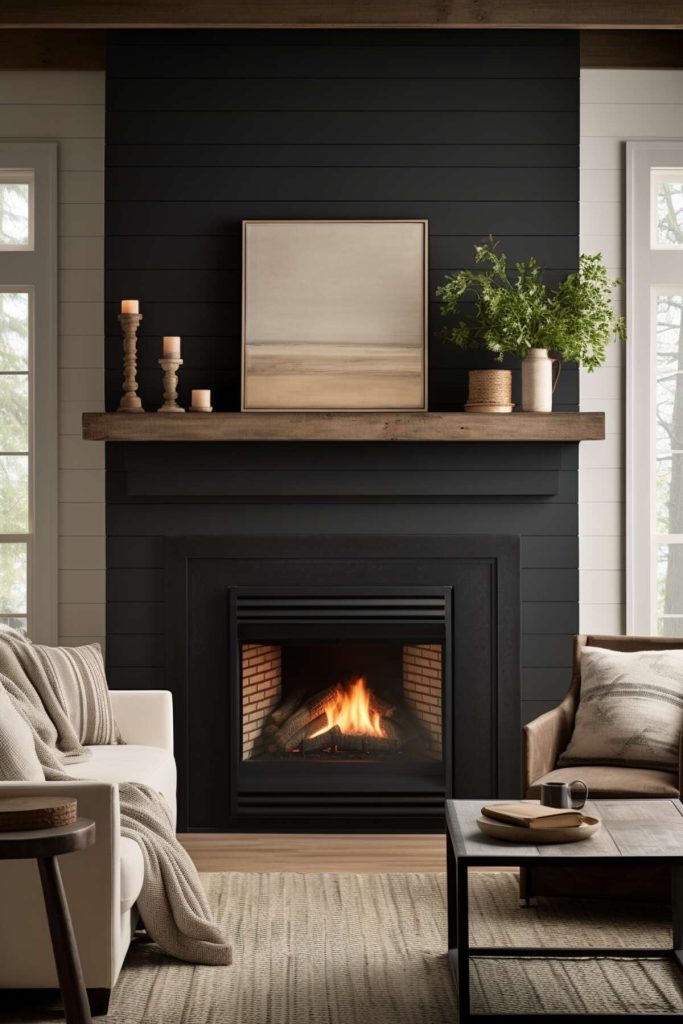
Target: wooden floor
pixel 365 854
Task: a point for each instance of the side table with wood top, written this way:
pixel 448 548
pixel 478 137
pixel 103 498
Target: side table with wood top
pixel 45 845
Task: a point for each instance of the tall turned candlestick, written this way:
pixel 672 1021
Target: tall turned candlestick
pixel 130 401
pixel 170 368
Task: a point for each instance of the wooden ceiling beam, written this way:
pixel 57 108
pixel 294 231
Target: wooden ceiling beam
pixel 553 14
pixel 632 49
pixel 63 49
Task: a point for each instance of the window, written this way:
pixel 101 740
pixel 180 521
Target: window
pixel 28 384
pixel 15 490
pixel 655 388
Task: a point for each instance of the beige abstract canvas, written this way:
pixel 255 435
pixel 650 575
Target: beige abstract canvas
pixel 334 315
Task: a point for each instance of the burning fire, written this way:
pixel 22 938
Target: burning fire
pixel 350 710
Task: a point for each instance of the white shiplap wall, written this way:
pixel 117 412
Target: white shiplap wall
pixel 68 107
pixel 615 106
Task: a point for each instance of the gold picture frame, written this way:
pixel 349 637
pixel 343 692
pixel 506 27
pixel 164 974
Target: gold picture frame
pixel 334 315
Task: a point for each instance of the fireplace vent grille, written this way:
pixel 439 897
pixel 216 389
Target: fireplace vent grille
pixel 366 607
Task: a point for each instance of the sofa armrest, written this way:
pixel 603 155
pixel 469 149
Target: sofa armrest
pixel 545 738
pixel 145 717
pixel 93 889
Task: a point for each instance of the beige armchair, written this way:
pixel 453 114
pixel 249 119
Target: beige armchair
pixel 547 736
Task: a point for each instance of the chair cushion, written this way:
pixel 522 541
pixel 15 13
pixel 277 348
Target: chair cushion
pixel 603 781
pixel 130 762
pixel 132 872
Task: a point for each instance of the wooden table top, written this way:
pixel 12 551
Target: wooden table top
pixel 632 829
pixel 47 842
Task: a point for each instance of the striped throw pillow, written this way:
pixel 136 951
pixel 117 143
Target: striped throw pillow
pixel 77 677
pixel 631 710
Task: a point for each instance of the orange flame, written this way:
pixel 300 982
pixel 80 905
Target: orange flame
pixel 350 710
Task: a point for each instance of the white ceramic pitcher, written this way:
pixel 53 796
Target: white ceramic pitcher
pixel 540 374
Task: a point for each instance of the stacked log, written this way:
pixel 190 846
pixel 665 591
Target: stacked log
pixel 361 743
pixel 330 738
pixel 292 726
pixel 293 729
pixel 287 708
pixel 381 707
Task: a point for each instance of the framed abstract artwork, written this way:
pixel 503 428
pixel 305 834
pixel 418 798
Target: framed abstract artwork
pixel 334 315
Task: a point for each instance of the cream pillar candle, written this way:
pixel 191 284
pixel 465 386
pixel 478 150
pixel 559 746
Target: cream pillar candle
pixel 201 401
pixel 130 306
pixel 171 347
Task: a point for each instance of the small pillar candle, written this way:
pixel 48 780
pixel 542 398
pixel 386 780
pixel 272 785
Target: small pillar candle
pixel 130 305
pixel 171 347
pixel 201 399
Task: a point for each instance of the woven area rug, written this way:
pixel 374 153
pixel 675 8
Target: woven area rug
pixel 370 949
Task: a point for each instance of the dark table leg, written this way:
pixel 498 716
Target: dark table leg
pixel 677 911
pixel 76 1009
pixel 463 942
pixel 452 900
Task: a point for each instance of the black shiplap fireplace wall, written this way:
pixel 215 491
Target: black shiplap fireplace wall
pixel 478 131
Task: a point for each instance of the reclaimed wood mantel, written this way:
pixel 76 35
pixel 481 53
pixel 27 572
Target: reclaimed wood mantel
pixel 344 426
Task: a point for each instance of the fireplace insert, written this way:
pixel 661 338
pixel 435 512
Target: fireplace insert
pixel 319 699
pixel 340 693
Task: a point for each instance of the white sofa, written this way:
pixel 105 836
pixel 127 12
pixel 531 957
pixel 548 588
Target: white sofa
pixel 103 882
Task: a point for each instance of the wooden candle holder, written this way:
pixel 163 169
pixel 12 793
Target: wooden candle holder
pixel 130 402
pixel 170 368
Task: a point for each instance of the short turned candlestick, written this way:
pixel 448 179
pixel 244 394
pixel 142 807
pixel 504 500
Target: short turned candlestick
pixel 170 367
pixel 130 402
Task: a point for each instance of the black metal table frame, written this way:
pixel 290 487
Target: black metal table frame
pixel 460 952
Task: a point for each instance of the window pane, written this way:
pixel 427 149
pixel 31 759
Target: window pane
pixel 13 494
pixel 14 331
pixel 668 433
pixel 670 212
pixel 669 494
pixel 669 414
pixel 13 412
pixel 669 597
pixel 13 582
pixel 15 224
pixel 670 626
pixel 669 313
pixel 15 621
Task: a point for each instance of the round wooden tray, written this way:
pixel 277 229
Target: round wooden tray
pixel 25 813
pixel 532 836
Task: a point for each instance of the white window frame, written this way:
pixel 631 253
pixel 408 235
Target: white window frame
pixel 651 268
pixel 34 269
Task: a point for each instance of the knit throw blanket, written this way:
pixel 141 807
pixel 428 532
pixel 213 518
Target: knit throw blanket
pixel 172 903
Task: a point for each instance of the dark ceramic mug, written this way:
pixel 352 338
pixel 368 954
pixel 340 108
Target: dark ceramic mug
pixel 559 794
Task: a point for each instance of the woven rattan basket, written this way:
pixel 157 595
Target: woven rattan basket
pixel 489 390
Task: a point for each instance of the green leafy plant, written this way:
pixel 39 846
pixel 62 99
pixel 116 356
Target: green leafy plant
pixel 514 314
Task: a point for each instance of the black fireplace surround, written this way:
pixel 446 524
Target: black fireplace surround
pixel 340 604
pixel 478 132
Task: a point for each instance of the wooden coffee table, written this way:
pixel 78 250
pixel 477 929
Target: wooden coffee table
pixel 637 832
